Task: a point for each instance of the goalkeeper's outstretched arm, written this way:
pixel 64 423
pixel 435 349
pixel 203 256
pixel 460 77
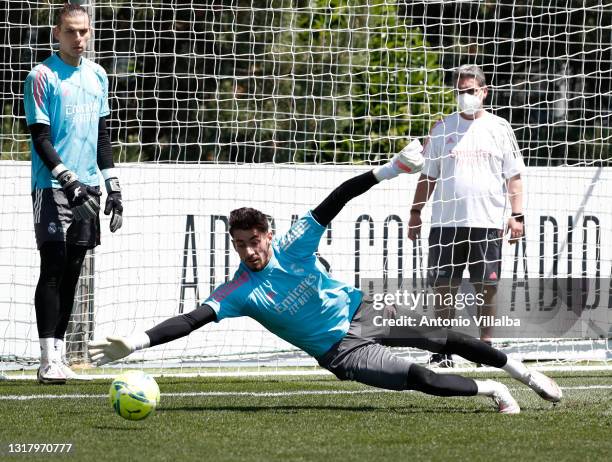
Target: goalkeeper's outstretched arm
pixel 327 210
pixel 408 160
pixel 114 348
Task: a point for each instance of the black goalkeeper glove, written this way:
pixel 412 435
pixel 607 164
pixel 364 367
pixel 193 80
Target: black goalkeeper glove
pixel 81 198
pixel 114 203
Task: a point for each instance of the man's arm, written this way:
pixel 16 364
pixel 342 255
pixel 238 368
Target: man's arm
pixel 41 139
pixel 427 181
pixel 180 326
pixel 515 196
pixel 424 189
pixel 105 149
pixel 114 348
pixel 114 201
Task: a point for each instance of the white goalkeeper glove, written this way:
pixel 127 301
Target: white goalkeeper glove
pixel 408 160
pixel 115 348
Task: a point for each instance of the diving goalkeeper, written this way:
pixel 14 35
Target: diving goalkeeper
pixel 281 284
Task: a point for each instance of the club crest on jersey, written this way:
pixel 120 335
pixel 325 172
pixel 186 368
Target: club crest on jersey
pixel 271 294
pixel 52 228
pixel 77 192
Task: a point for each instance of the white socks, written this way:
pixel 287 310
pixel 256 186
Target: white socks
pixel 51 349
pixel 517 370
pixel 47 350
pixel 59 349
pixel 486 387
pixel 386 171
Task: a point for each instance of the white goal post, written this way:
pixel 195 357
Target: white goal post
pixel 271 104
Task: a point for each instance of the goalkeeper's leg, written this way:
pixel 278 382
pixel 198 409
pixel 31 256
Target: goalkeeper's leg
pixel 47 306
pixel 72 270
pixel 451 342
pixel 75 254
pixel 363 360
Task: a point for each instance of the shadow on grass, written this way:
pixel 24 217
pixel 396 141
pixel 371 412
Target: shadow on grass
pixel 121 428
pixel 204 382
pixel 293 409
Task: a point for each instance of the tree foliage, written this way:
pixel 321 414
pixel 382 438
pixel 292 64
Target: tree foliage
pixel 326 80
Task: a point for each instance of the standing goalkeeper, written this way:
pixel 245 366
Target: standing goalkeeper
pixel 66 104
pixel 281 284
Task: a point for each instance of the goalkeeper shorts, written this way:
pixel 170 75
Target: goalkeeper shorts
pixel 53 221
pixel 362 354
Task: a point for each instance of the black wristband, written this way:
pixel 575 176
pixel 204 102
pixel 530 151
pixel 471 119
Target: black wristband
pixel 519 217
pixel 417 211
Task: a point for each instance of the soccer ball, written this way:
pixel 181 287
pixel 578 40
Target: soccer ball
pixel 134 395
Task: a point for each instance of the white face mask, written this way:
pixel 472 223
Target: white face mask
pixel 469 104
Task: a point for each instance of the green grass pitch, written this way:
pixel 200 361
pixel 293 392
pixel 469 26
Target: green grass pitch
pixel 308 418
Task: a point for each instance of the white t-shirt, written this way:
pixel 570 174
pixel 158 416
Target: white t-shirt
pixel 471 160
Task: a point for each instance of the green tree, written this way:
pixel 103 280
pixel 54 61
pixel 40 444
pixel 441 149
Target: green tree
pixel 333 81
pixel 549 66
pixel 327 80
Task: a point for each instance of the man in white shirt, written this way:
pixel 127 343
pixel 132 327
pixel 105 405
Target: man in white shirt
pixel 473 167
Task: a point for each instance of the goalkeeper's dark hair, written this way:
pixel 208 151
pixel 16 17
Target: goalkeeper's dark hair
pixel 69 9
pixel 246 218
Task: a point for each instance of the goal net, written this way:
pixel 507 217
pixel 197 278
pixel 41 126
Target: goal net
pixel 271 104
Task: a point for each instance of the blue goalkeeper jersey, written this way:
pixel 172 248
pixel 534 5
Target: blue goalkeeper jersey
pixel 71 101
pixel 293 296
